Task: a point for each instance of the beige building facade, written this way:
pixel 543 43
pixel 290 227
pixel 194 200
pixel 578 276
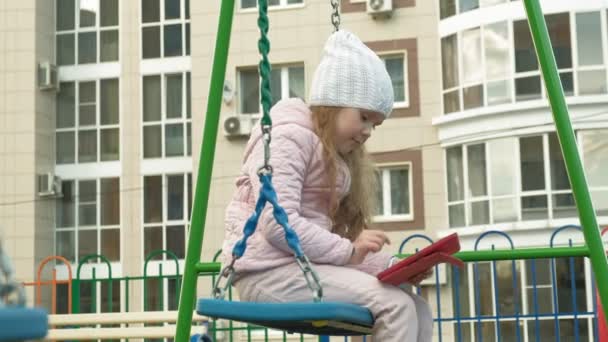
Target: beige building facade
pixel 102 105
pixel 26 137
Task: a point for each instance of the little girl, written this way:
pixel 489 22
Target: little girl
pixel 323 180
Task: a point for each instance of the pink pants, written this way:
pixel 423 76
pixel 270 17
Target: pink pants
pixel 400 316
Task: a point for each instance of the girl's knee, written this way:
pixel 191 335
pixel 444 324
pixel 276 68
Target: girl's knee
pixel 423 308
pixel 425 316
pixel 401 300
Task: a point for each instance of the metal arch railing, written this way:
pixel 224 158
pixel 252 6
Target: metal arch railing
pixel 530 311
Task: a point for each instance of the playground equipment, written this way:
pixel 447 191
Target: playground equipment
pixel 601 316
pixel 16 321
pixel 69 326
pixel 593 249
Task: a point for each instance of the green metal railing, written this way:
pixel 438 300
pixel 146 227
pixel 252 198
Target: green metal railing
pixel 78 282
pixel 594 249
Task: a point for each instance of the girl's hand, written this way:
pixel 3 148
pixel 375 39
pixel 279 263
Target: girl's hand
pixel 420 277
pixel 368 241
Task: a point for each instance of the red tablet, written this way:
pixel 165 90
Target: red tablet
pixel 428 257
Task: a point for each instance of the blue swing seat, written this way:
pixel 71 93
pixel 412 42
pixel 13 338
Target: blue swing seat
pixel 323 318
pixel 19 324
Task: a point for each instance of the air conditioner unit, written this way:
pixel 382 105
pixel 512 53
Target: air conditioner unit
pixel 238 125
pixel 379 8
pixel 49 185
pixel 47 76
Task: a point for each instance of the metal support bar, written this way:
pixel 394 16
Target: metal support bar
pixel 473 256
pixel 58 320
pixel 205 169
pixel 546 58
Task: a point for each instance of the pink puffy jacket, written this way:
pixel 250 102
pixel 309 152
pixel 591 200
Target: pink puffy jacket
pixel 298 178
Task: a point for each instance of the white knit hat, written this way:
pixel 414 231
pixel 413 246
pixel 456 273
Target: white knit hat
pixel 351 75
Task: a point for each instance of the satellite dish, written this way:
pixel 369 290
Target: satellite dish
pixel 227 92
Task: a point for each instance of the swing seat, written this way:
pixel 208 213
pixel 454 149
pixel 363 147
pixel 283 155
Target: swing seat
pixel 323 318
pixel 19 324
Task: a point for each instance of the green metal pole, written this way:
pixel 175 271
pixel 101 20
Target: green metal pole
pixel 523 254
pixel 586 213
pixel 205 169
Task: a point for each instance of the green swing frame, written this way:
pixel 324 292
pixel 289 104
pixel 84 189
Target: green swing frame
pixel 593 249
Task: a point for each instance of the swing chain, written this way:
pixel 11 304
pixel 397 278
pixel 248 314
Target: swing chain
pixel 219 292
pixel 335 16
pixel 312 278
pixel 266 169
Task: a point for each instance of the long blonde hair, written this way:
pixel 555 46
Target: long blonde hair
pixel 353 213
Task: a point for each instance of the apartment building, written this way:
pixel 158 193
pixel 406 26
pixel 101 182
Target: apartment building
pixel 103 104
pixel 504 167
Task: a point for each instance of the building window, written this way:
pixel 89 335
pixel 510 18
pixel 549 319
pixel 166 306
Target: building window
pixel 161 293
pixel 167 116
pixel 87 125
pixel 591 73
pixel 397 68
pixel 472 74
pixel 449 64
pixel 245 4
pixel 394 193
pixel 505 79
pixel 165 28
pixel 450 8
pixel 167 206
pixel 527 72
pixel 477 189
pixel 486 187
pixel 96 296
pixel 497 59
pixel 595 152
pixel 285 82
pixel 455 182
pixel 88 219
pixel 447 8
pixel 87 31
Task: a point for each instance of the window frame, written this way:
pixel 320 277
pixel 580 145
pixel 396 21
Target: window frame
pixel 406 84
pixel 457 27
pixel 576 66
pixel 595 190
pixel 284 85
pixel 519 193
pixel 164 277
pixel 185 119
pixel 283 4
pixel 385 169
pixel 164 222
pixel 184 21
pixel 98 127
pixel 97 227
pixel 77 30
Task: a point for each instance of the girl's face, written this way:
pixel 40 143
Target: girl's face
pixel 353 127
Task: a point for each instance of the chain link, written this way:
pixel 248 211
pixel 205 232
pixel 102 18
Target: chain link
pixel 335 16
pixel 266 138
pixel 312 279
pixel 219 291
